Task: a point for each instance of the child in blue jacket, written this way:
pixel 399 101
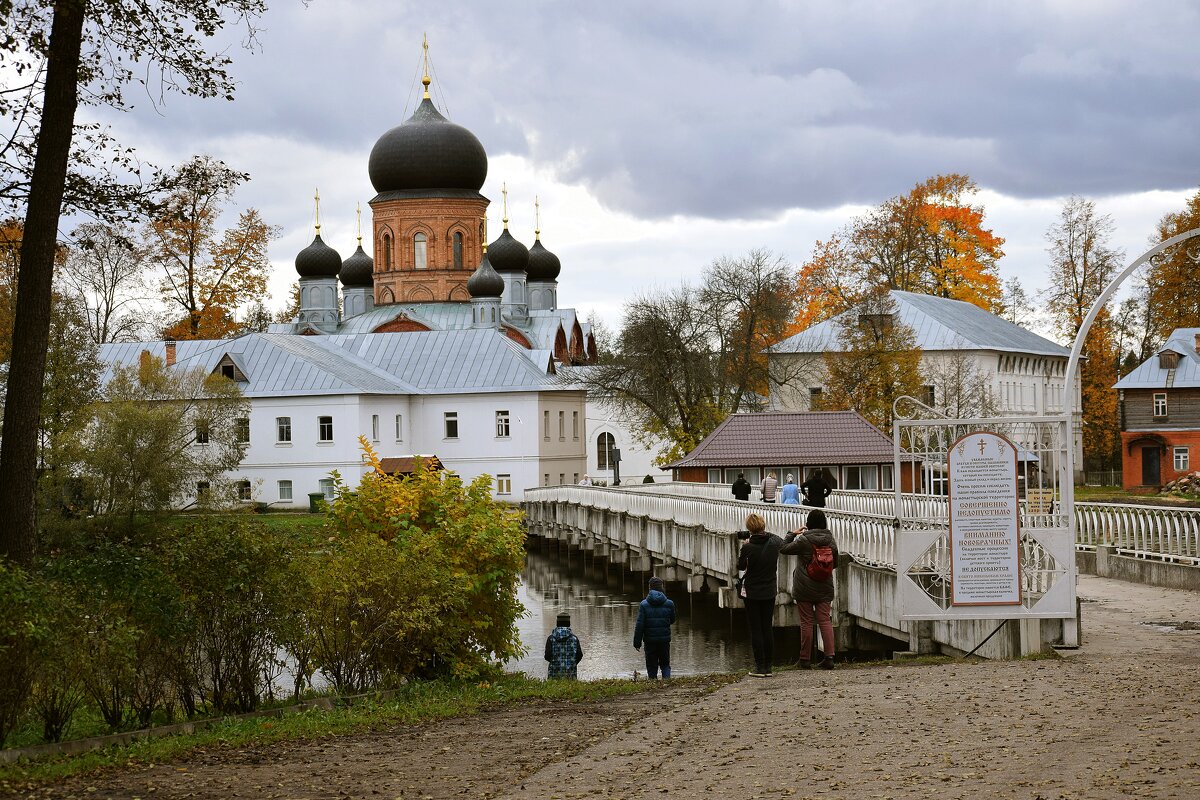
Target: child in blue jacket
pixel 656 615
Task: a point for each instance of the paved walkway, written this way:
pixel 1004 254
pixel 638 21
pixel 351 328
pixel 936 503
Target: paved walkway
pixel 1116 719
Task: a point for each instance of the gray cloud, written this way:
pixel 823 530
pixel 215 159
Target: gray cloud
pixel 727 110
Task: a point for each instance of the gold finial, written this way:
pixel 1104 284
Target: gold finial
pixel 425 78
pixel 317 206
pixel 504 191
pixel 358 221
pixel 484 218
pixel 537 218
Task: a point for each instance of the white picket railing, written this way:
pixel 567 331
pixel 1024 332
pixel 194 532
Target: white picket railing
pixel 865 519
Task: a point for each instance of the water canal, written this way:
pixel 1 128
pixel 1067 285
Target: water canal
pixel 603 603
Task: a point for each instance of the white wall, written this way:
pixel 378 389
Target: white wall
pixel 636 461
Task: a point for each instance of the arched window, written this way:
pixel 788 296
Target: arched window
pixel 387 251
pixel 458 250
pixel 419 251
pixel 604 446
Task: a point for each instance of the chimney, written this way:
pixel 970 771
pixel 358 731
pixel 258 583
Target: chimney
pixel 170 352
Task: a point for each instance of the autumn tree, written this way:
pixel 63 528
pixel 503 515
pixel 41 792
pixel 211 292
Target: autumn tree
pixel 1173 300
pixel 877 361
pixel 1082 264
pixel 156 433
pixel 104 276
pixel 684 359
pixel 62 48
pixel 1016 306
pixel 931 240
pixel 208 274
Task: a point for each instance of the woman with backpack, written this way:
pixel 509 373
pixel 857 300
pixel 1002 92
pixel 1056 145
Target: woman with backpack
pixel 759 559
pixel 812 584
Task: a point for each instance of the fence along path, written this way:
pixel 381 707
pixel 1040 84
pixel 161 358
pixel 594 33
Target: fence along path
pixel 865 519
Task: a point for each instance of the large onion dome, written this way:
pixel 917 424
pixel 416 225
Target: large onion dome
pixel 318 260
pixel 485 281
pixel 358 269
pixel 427 151
pixel 507 254
pixel 543 265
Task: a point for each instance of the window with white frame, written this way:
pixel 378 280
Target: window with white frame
pixel 546 429
pixel 562 426
pixel 374 427
pixel 283 429
pixel 546 481
pixel 325 429
pixel 419 249
pixel 1181 459
pixel 562 478
pixel 886 482
pixel 399 427
pixel 1160 404
pixel 202 431
pixel 503 429
pixel 504 484
pixel 326 485
pixel 285 490
pixel 714 476
pixel 450 421
pixel 244 491
pixel 575 425
pixel 852 477
pixel 242 429
pixel 604 447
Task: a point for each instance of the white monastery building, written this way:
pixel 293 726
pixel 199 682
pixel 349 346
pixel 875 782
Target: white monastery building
pixel 422 349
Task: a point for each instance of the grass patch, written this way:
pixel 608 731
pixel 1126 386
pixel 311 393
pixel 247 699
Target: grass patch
pixel 416 703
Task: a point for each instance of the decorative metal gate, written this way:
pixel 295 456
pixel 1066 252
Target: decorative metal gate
pixel 1046 546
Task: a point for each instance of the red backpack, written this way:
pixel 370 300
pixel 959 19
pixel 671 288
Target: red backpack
pixel 821 566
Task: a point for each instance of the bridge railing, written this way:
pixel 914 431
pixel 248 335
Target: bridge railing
pixel 1151 532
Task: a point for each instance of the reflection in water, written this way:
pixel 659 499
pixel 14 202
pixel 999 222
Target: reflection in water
pixel 603 604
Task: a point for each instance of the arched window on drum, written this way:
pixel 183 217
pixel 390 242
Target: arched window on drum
pixel 458 255
pixel 419 242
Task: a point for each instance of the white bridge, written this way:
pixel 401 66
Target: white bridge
pixel 686 532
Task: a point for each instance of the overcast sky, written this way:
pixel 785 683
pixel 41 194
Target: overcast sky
pixel 662 135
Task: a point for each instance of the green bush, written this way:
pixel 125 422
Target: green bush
pixel 59 688
pixel 419 579
pixel 23 627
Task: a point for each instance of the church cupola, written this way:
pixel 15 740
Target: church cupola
pixel 511 258
pixel 426 214
pixel 357 278
pixel 486 286
pixel 318 266
pixel 542 270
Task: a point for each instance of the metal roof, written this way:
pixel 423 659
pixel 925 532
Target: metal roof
pixel 812 438
pixel 433 362
pixel 938 324
pixel 1149 375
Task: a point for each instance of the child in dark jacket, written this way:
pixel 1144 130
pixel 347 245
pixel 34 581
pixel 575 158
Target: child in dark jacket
pixel 563 650
pixel 656 615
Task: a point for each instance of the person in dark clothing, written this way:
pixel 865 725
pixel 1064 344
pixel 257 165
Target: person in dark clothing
pixel 741 487
pixel 813 596
pixel 759 558
pixel 563 650
pixel 656 615
pixel 815 491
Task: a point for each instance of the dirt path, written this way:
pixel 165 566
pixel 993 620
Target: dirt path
pixel 1119 719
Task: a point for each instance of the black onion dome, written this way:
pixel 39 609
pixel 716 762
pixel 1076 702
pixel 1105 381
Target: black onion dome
pixel 358 269
pixel 543 265
pixel 485 281
pixel 507 254
pixel 318 260
pixel 427 151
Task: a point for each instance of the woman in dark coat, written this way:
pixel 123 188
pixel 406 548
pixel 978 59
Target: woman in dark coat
pixel 759 558
pixel 814 598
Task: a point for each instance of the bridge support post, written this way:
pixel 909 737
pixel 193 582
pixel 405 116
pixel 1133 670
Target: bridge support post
pixel 920 637
pixel 696 583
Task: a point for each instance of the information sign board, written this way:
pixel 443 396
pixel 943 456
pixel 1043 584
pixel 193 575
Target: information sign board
pixel 984 523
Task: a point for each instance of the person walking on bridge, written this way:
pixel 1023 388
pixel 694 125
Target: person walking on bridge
pixel 759 559
pixel 741 487
pixel 768 487
pixel 812 584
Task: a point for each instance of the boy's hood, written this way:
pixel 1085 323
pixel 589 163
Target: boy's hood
pixel 559 634
pixel 656 598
